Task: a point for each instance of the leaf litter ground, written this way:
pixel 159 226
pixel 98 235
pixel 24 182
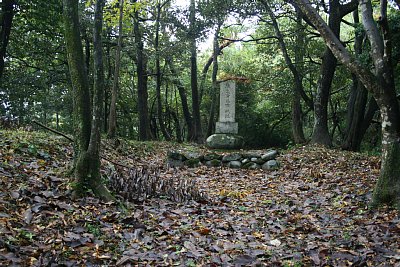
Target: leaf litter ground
pixel 311 212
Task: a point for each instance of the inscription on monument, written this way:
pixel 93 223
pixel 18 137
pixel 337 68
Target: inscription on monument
pixel 226 123
pixel 227 102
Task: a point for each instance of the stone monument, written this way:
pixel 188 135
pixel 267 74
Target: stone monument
pixel 226 129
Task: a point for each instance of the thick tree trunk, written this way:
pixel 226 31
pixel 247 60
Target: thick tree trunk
pixel 197 133
pixel 98 93
pixel 320 133
pixel 87 168
pixel 321 130
pixel 143 110
pixel 387 189
pixel 78 74
pixel 6 17
pixel 112 117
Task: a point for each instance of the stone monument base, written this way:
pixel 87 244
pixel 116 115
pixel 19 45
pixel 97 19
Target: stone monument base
pixel 224 141
pixel 226 127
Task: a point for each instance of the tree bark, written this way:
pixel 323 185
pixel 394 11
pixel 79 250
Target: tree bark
pixel 321 130
pixel 160 114
pixel 182 94
pixel 355 116
pixel 211 119
pixel 6 18
pixel 380 83
pixel 107 85
pixel 112 118
pixel 357 101
pixel 87 167
pixel 197 132
pixel 141 73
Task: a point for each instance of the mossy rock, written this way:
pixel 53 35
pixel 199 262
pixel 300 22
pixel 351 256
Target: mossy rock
pixel 270 155
pixel 271 165
pixel 259 161
pixel 235 164
pixel 192 163
pixel 251 166
pixel 213 163
pixel 212 156
pixel 232 157
pixel 176 156
pixel 246 165
pixel 225 141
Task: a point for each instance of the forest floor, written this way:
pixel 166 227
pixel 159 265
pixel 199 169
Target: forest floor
pixel 313 211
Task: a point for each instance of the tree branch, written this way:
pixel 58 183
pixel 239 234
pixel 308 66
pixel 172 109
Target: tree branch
pixel 72 140
pixel 53 131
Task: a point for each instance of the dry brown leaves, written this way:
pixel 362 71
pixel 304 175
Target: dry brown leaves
pixel 311 212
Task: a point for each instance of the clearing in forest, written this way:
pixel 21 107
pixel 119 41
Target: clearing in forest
pixel 313 211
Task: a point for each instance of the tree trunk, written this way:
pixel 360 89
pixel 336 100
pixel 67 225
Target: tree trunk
pixel 160 114
pixel 143 110
pixel 297 124
pixel 355 116
pixel 320 133
pixel 112 118
pixel 6 17
pixel 206 67
pixel 87 136
pixel 197 133
pixel 86 51
pixel 381 84
pixel 321 130
pixel 182 93
pixel 357 101
pixel 107 85
pixel 211 119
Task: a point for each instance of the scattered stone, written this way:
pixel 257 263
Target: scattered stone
pixel 213 163
pixel 235 164
pixel 177 159
pixel 269 155
pixel 191 155
pixel 246 160
pixel 176 156
pixel 251 154
pixel 270 165
pixel 192 163
pixel 251 166
pixel 254 166
pixel 259 161
pixel 212 156
pixel 231 157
